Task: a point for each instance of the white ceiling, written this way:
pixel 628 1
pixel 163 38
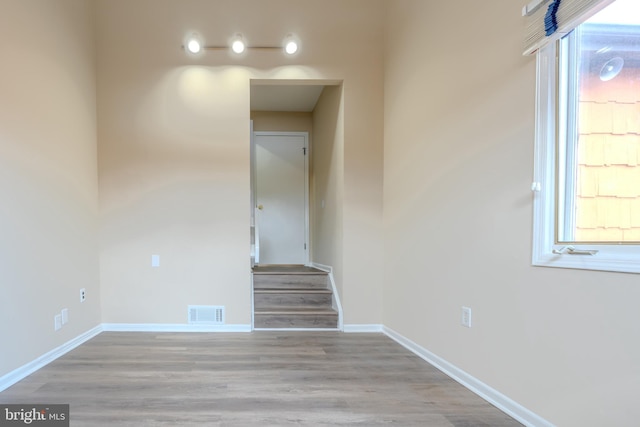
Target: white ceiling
pixel 299 98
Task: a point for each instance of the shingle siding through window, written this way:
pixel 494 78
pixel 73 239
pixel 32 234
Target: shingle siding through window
pixel 608 186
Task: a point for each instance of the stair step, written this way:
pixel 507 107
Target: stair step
pixel 292 296
pixel 290 281
pixel 296 310
pixel 286 269
pixel 266 298
pixel 293 291
pixel 296 318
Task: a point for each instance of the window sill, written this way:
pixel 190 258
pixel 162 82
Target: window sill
pixel 621 260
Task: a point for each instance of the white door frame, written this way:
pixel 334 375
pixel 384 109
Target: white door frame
pixel 306 180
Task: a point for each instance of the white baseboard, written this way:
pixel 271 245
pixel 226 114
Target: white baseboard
pixel 24 371
pixel 354 328
pixel 499 400
pixel 172 327
pixel 323 267
pixel 297 329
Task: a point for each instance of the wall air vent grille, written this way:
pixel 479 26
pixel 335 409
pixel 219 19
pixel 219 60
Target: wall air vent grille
pixel 206 314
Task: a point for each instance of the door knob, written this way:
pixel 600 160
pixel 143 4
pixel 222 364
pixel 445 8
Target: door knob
pixel 260 207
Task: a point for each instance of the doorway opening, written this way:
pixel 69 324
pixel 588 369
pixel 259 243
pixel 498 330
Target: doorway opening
pixel 297 187
pixel 292 179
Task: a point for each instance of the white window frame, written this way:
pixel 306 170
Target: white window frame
pixel 547 252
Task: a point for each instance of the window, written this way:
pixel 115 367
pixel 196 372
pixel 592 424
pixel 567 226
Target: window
pixel 587 174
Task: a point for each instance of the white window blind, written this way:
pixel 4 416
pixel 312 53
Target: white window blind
pixel 570 14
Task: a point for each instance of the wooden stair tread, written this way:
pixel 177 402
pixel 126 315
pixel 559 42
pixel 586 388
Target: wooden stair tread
pixel 287 270
pixel 293 291
pixel 296 310
pixel 288 273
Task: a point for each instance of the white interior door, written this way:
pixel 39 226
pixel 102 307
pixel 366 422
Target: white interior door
pixel 282 197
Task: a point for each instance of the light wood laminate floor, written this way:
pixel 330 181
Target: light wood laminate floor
pixel 252 379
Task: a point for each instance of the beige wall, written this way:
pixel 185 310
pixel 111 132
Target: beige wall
pixel 328 182
pixel 275 121
pixel 459 134
pixel 48 176
pixel 174 146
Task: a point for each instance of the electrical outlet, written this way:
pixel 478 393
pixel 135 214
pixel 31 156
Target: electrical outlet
pixel 83 295
pixel 57 322
pixel 65 316
pixel 466 317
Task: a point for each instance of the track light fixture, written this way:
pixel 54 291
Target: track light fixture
pixel 238 45
pixel 194 45
pixel 290 45
pixel 291 48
